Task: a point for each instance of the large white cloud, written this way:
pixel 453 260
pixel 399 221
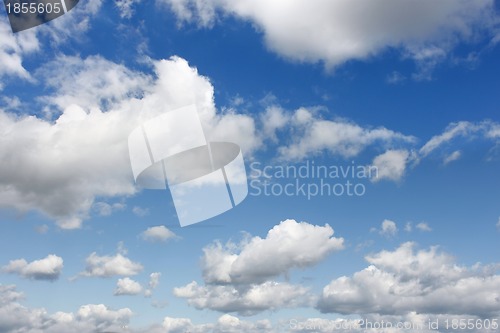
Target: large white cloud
pixel 288 245
pixel 225 323
pixel 12 49
pixel 404 280
pixel 239 277
pixel 48 268
pixel 59 167
pixel 338 31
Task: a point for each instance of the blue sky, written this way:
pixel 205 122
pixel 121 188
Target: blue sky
pixel 410 89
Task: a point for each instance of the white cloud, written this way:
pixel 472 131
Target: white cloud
pixel 158 234
pixel 403 281
pixel 288 245
pixel 395 77
pixel 422 226
pixel 498 224
pixel 49 268
pixel 139 211
pixel 154 281
pixel 83 153
pixel 127 286
pixel 391 165
pixel 388 228
pixel 454 130
pixel 226 323
pixel 313 135
pixel 335 32
pixel 107 266
pixel 247 300
pixel 126 7
pixel 13 47
pixel 14 317
pixel 452 157
pixel 237 276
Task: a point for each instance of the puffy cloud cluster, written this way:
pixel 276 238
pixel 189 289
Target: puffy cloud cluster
pixel 238 277
pixel 108 266
pixel 405 280
pixel 225 323
pixel 335 32
pixel 60 167
pixel 49 268
pixel 14 317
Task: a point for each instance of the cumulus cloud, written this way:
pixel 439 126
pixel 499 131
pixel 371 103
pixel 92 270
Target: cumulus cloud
pixel 14 317
pixel 126 7
pixel 422 226
pixel 314 135
pixel 127 286
pixel 158 234
pixel 247 300
pixel 238 277
pixel 83 153
pixel 108 266
pixel 49 268
pixel 288 245
pixel 335 32
pixel 388 228
pixel 391 165
pixel 225 323
pixel 425 281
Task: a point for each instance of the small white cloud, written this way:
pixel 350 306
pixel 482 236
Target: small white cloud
pixel 395 77
pixel 245 301
pixel 158 234
pixel 107 266
pixel 423 227
pixel 452 157
pixel 408 227
pixel 126 7
pixel 42 229
pixel 127 286
pixel 154 281
pixel 388 228
pixel 106 209
pixel 390 165
pixel 141 212
pixel 498 224
pixel 48 268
